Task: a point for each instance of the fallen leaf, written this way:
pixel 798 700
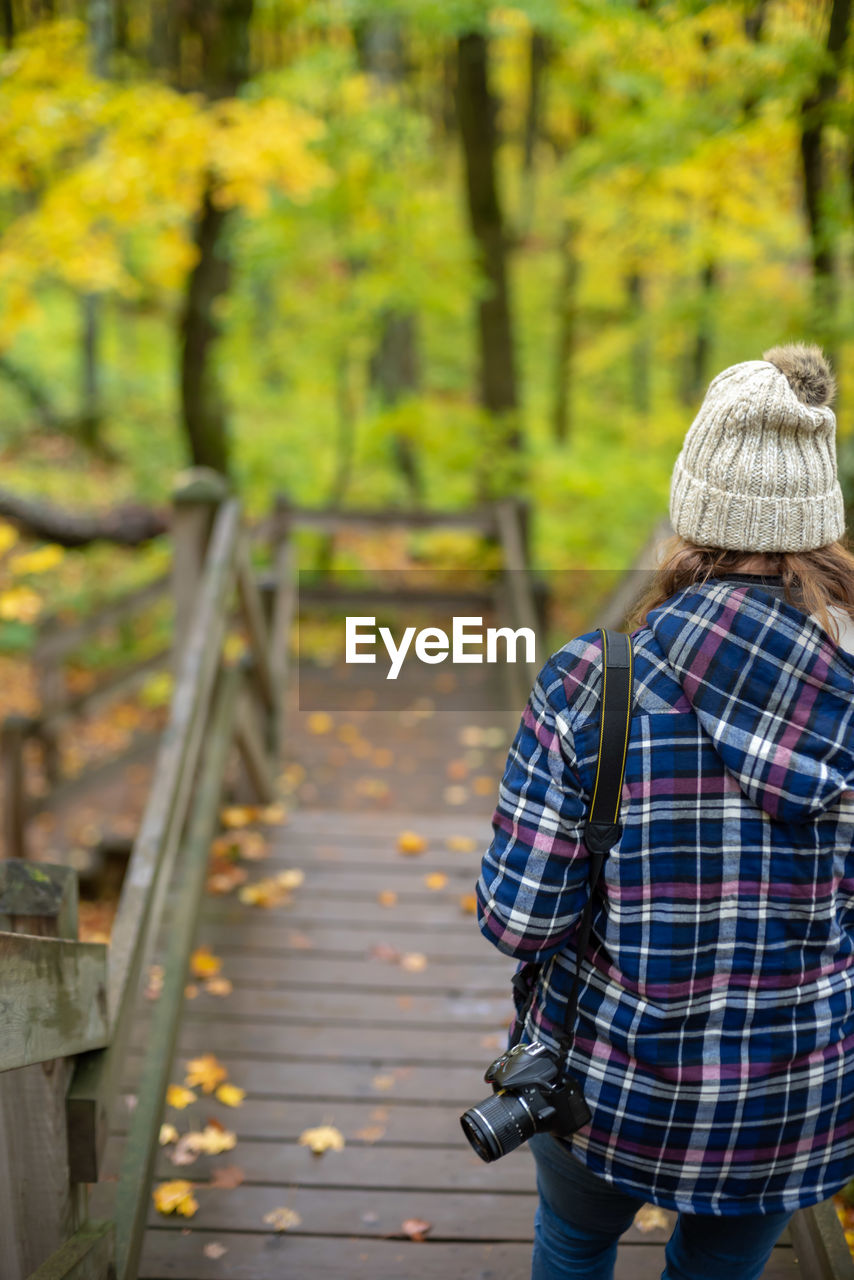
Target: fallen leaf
pixel 370 1133
pixel 456 770
pixel 225 878
pixel 227 1177
pixel 324 1138
pixel 383 1082
pixel 191 991
pixel 252 846
pixel 461 844
pixel 178 1096
pixel 283 1219
pixel 416 1228
pixel 319 722
pixel 650 1218
pixel 219 987
pixel 263 893
pixel 468 904
pixel 212 1140
pixel 387 898
pixel 273 815
pixel 175 1197
pixel 206 1071
pixel 413 962
pixel 237 816
pixel 484 786
pixel 383 758
pixel 410 842
pixel 382 951
pixel 203 963
pixel 214 1250
pixel 436 880
pixel 291 879
pixel 300 942
pixel 230 1095
pixel 183 1152
pixel 168 1133
pixel 456 795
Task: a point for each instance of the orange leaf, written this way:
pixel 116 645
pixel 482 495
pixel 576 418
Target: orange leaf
pixel 416 1228
pixel 460 844
pixel 387 898
pixel 204 964
pixel 436 880
pixel 413 962
pixel 410 842
pixel 468 904
pixel 207 1072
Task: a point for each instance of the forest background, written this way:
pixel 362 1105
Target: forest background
pixel 395 252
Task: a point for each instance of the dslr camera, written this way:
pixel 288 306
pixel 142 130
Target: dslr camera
pixel 532 1093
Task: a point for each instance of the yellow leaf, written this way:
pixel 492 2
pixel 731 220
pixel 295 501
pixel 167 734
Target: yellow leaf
pixel 650 1218
pixel 387 898
pixel 37 561
pixel 460 844
pixel 484 786
pixel 230 1095
pixel 237 816
pixel 19 604
pixel 175 1197
pixel 410 842
pixel 436 880
pixel 283 1219
pixel 291 879
pixel 319 722
pixel 212 1140
pixel 206 1072
pixel 413 962
pixel 468 904
pixel 273 815
pixel 168 1133
pixel 8 537
pixel 178 1096
pixel 218 987
pixel 324 1138
pixel 204 964
pixel 263 893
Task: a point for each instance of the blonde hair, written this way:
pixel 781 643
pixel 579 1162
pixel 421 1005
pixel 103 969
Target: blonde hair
pixel 812 580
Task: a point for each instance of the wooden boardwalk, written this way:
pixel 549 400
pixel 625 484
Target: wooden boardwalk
pixel 375 1016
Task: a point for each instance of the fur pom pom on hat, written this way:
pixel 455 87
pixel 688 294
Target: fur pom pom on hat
pixel 757 470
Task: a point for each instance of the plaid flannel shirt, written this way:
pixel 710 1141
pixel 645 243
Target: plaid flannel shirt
pixel 715 1031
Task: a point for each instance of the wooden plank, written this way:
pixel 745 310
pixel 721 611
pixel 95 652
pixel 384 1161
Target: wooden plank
pixel 298 934
pixel 373 1121
pixel 353 1043
pixel 39 1208
pixel 330 1007
pixel 150 866
pixel 54 999
pixel 323 973
pixel 137 1164
pixel 172 1256
pixel 819 1243
pixel 253 753
pixel 440 912
pixel 364 883
pixel 440 1169
pixel 322 1081
pixel 359 1212
pixel 256 625
pixel 88 1255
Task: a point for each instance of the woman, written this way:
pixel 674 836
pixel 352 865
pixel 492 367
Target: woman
pixel 715 1029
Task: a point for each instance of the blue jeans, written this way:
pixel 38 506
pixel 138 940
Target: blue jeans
pixel 581 1217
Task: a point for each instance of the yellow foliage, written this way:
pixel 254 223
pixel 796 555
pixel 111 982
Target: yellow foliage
pixel 175 1197
pixel 179 1097
pixel 323 1138
pixel 230 1095
pixel 206 1071
pixel 39 561
pixel 19 604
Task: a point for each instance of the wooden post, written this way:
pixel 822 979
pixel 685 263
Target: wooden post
pixel 13 735
pixel 197 494
pixel 40 1209
pixel 284 607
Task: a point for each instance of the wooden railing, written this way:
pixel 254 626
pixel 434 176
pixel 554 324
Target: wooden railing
pixel 68 1006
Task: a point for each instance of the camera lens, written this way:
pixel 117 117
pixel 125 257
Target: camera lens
pixel 498 1124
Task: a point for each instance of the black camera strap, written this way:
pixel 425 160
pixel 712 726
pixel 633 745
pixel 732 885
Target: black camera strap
pixel 602 829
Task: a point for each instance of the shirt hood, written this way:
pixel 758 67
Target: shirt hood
pixel 770 688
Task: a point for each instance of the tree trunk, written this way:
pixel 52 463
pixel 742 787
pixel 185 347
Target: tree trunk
pixel 697 359
pixel 567 319
pixel 224 31
pixel 816 180
pixel 538 58
pixel 640 355
pixel 201 397
pixel 476 115
pixel 8 24
pixel 129 525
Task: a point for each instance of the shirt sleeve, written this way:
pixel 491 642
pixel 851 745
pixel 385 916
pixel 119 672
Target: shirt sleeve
pixel 534 876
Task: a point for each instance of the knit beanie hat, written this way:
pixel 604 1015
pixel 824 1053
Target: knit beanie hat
pixel 757 470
